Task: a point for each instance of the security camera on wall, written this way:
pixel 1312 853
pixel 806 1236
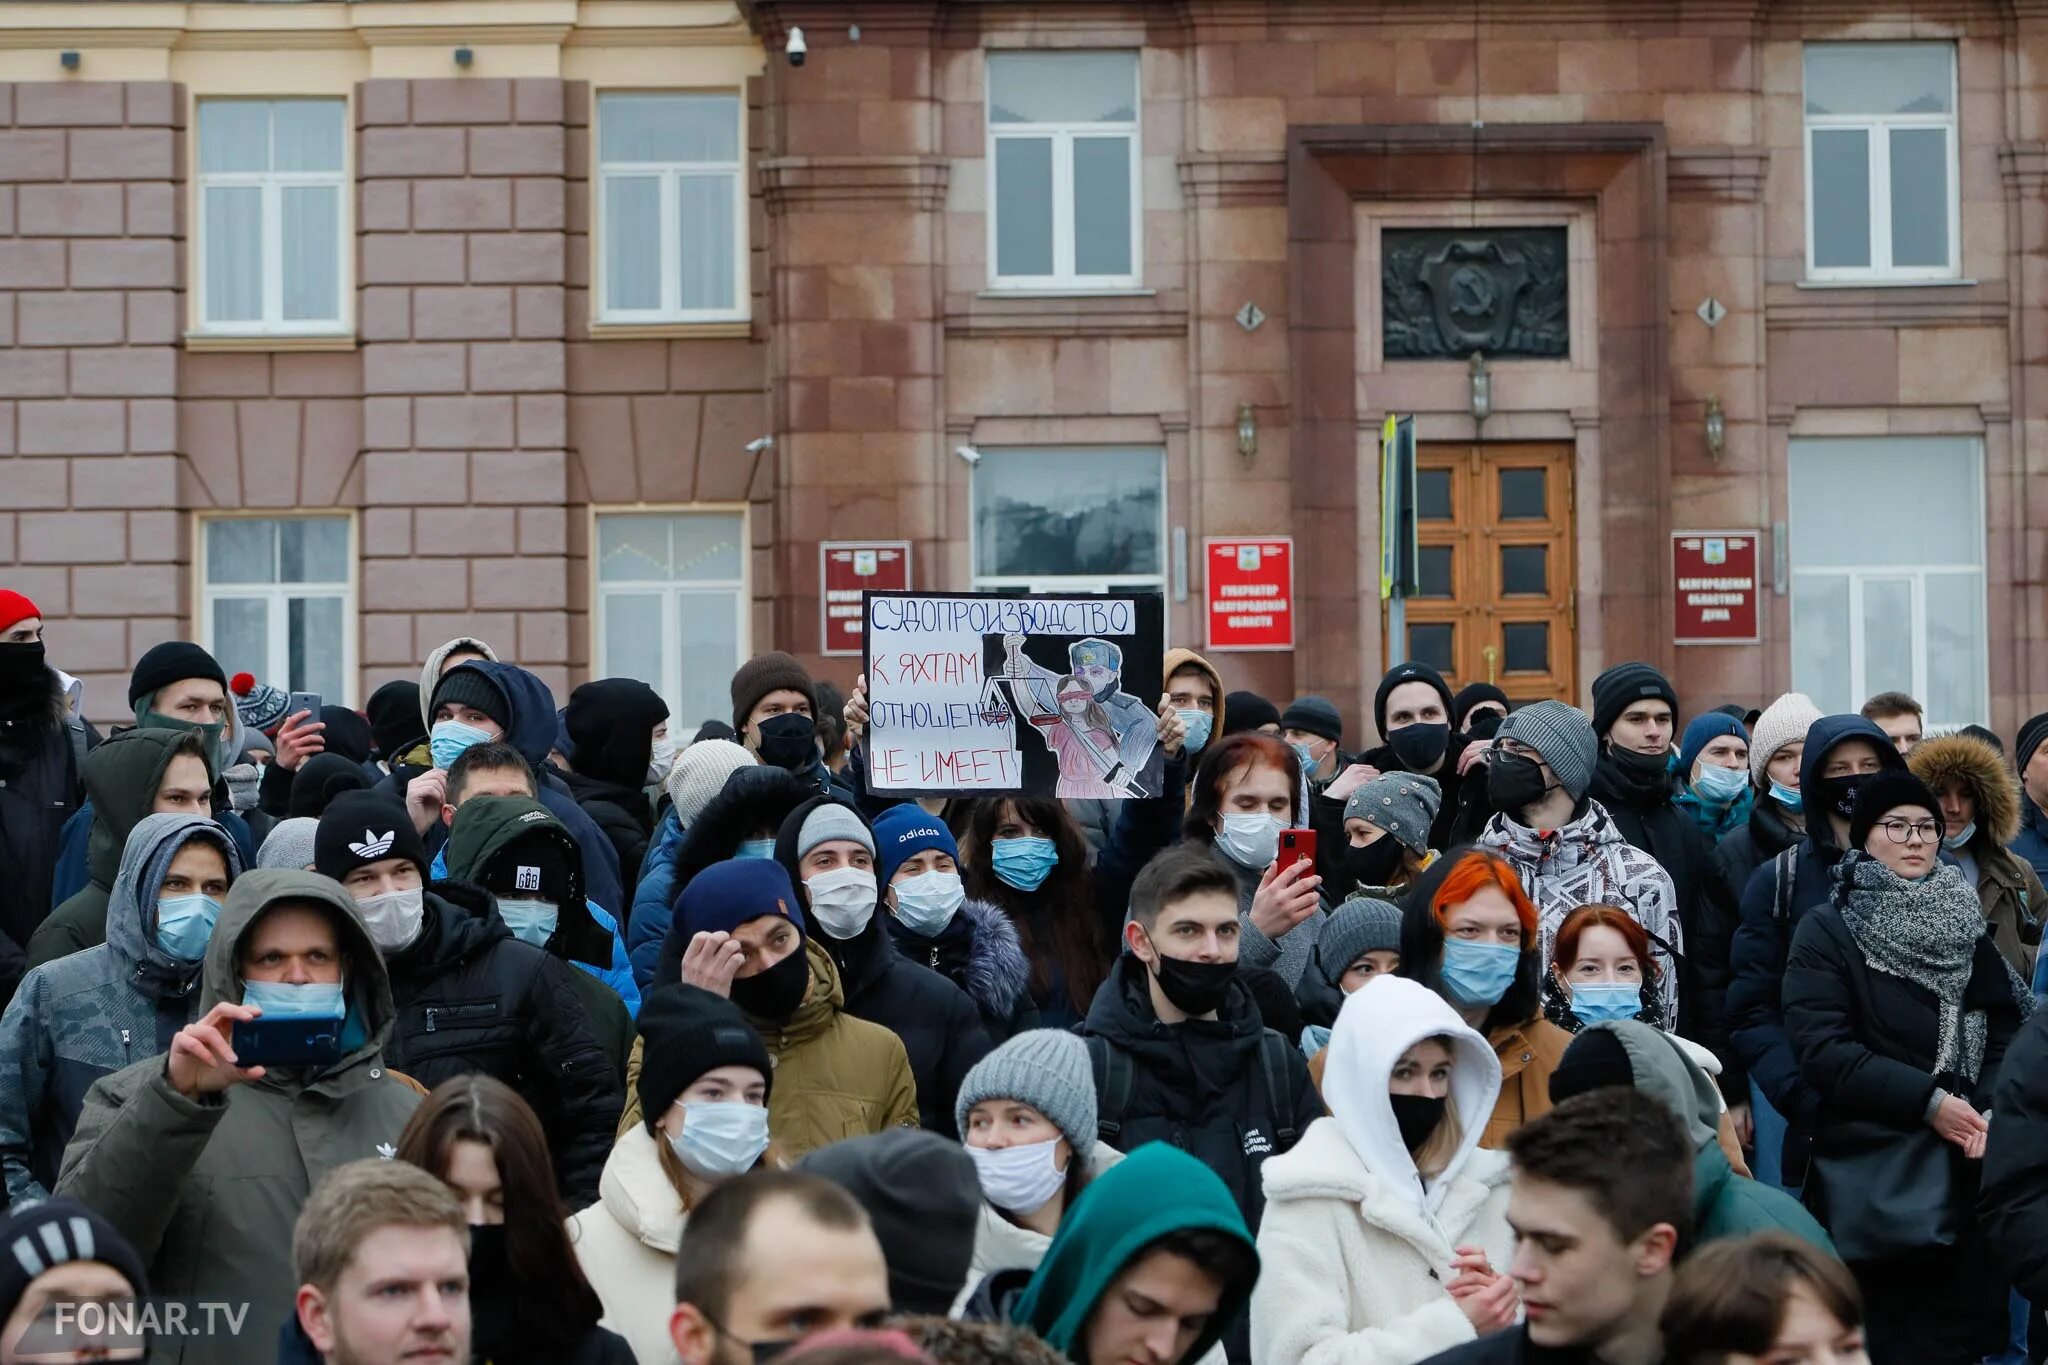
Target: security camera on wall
pixel 796 47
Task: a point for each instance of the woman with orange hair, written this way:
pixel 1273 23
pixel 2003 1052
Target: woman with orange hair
pixel 1468 932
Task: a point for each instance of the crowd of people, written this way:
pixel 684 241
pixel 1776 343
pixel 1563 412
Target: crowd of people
pixel 489 1025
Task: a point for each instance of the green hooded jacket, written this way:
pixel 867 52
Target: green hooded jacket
pixel 207 1190
pixel 1152 1192
pixel 121 778
pixel 1724 1204
pixel 484 827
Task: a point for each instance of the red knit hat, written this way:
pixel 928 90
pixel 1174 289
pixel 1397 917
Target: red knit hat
pixel 14 607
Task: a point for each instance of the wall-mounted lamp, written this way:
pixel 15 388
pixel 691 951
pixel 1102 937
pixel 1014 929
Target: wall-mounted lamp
pixel 465 58
pixel 1247 431
pixel 1717 426
pixel 1482 390
pixel 68 60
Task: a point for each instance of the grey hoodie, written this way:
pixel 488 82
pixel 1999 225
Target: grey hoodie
pixel 431 674
pixel 1664 1074
pixel 83 1016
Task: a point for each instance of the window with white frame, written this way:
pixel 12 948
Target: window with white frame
pixel 276 601
pixel 671 208
pixel 1064 205
pixel 274 240
pixel 1070 519
pixel 672 606
pixel 1902 611
pixel 1881 184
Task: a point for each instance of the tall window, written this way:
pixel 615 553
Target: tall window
pixel 1064 205
pixel 1902 610
pixel 276 602
pixel 273 216
pixel 1070 520
pixel 672 606
pixel 673 234
pixel 1881 185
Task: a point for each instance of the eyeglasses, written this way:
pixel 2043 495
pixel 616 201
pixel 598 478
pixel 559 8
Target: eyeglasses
pixel 1906 831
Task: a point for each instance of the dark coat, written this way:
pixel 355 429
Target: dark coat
pixel 978 951
pixel 2032 841
pixel 1199 1085
pixel 1750 845
pixel 472 998
pixel 39 790
pixel 626 819
pixel 1511 1346
pixel 2013 1207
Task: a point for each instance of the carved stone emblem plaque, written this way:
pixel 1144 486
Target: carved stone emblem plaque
pixel 1448 292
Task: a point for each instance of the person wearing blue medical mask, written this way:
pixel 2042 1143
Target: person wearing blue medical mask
pixel 1247 791
pixel 932 921
pixel 1713 768
pixel 1601 970
pixel 1025 856
pixel 1194 691
pixel 1469 932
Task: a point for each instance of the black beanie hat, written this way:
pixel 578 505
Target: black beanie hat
pixel 1470 696
pixel 765 673
pixel 1408 673
pixel 1622 684
pixel 365 827
pixel 394 712
pixel 685 1032
pixel 319 780
pixel 1884 793
pixel 467 685
pixel 611 726
pixel 58 1232
pixel 2030 738
pixel 172 661
pixel 347 733
pixel 923 1196
pixel 1245 711
pixel 1595 1060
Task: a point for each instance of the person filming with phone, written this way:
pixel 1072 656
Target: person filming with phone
pixel 203 1157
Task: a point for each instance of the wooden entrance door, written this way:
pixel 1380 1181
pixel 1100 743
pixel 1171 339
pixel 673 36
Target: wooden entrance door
pixel 1498 596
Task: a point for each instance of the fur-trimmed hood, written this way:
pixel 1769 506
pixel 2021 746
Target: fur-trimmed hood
pixel 997 970
pixel 1961 760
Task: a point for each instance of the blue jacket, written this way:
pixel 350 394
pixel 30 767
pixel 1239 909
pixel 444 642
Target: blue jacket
pixel 2032 841
pixel 647 926
pixel 72 873
pixel 1756 1017
pixel 619 976
pixel 93 1012
pixel 531 730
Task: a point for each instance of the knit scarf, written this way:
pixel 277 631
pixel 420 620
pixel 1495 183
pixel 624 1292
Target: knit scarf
pixel 1924 932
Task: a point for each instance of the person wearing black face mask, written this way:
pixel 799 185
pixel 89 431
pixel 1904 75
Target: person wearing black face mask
pixel 1179 1051
pixel 1386 831
pixel 1842 754
pixel 1412 710
pixel 1393 1187
pixel 748 940
pixel 39 786
pixel 774 709
pixel 1635 717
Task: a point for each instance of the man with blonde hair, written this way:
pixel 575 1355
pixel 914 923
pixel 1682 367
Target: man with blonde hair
pixel 381 1252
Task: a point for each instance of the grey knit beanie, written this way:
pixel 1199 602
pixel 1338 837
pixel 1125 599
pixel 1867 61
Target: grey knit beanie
pixel 289 845
pixel 1046 1068
pixel 700 773
pixel 1784 721
pixel 1359 926
pixel 1563 735
pixel 830 820
pixel 1402 804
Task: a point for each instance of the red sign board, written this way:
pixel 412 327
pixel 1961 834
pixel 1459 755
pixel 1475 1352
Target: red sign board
pixel 847 569
pixel 1250 587
pixel 1715 599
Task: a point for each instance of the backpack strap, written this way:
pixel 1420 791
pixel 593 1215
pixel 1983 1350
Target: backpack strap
pixel 1786 884
pixel 1273 1050
pixel 1114 1077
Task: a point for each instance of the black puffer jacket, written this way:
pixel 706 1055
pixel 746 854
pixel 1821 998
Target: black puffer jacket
pixel 626 818
pixel 38 792
pixel 2013 1207
pixel 979 952
pixel 1201 1085
pixel 472 998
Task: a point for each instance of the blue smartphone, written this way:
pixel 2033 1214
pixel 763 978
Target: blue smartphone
pixel 287 1042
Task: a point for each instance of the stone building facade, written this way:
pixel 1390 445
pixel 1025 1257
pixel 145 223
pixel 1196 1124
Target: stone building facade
pixel 1052 291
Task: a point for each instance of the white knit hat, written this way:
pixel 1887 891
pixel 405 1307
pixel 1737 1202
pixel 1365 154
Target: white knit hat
pixel 1784 721
pixel 700 773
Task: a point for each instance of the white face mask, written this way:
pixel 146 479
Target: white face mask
pixel 394 918
pixel 1020 1179
pixel 1250 840
pixel 925 904
pixel 531 921
pixel 843 900
pixel 661 759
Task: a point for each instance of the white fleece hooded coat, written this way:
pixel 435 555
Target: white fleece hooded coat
pixel 1355 1248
